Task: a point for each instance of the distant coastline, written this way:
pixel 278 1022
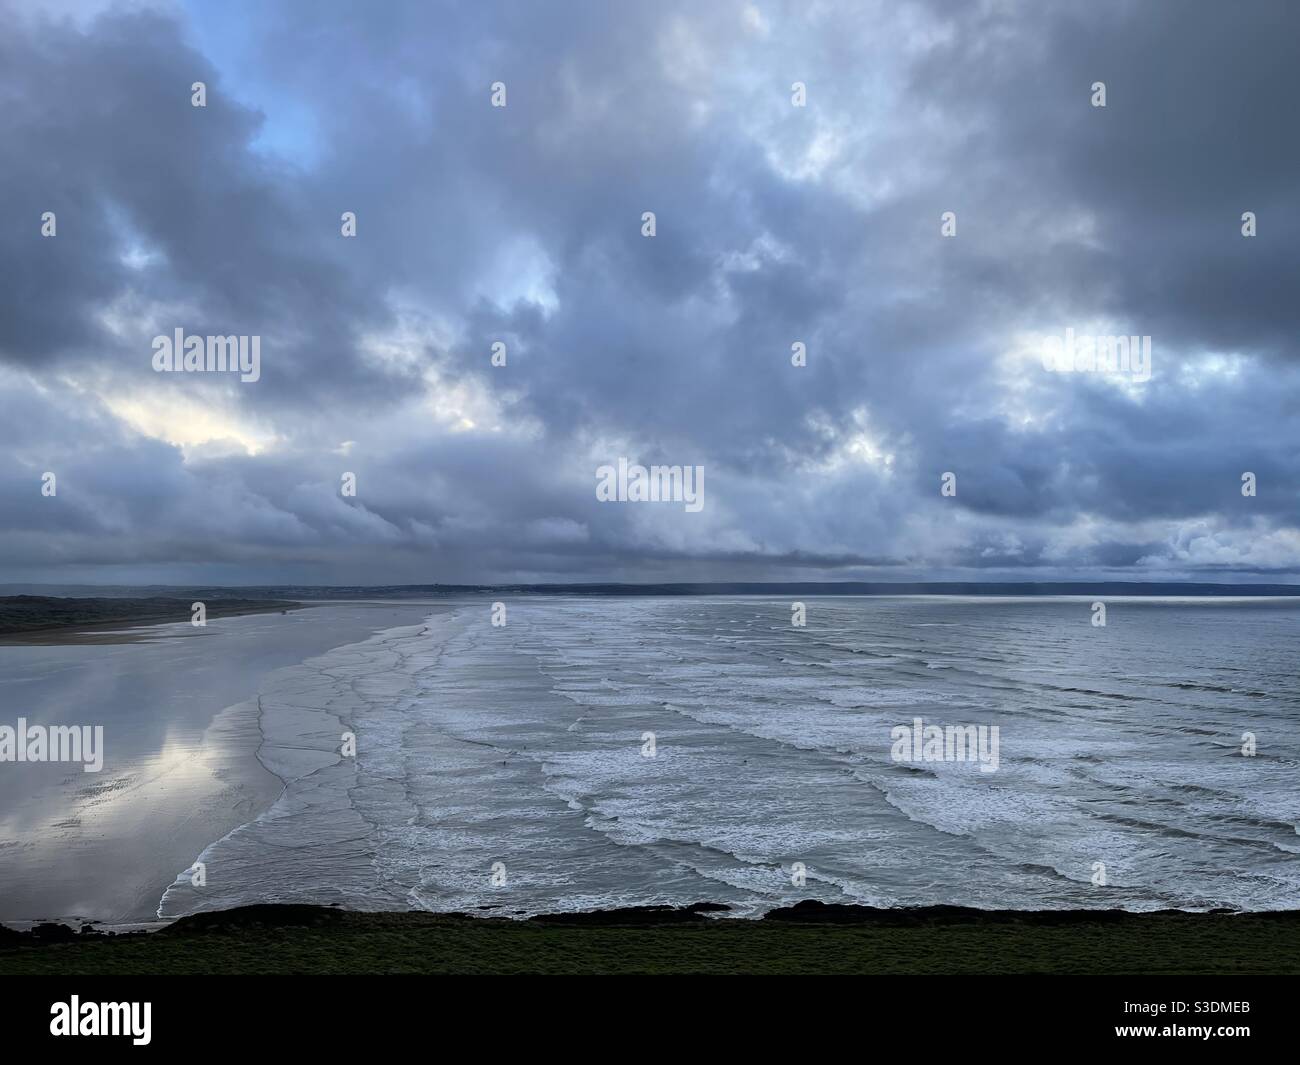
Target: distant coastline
pixel 258 594
pixel 36 618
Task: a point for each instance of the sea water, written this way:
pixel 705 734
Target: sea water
pixel 600 752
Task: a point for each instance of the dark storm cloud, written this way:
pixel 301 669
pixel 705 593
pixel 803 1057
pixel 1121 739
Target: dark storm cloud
pixel 775 225
pixel 99 129
pixel 1197 96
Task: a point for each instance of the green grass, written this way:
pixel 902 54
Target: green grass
pixel 335 942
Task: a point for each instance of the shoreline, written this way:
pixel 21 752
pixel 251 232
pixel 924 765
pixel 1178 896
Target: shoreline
pixel 809 937
pixel 179 777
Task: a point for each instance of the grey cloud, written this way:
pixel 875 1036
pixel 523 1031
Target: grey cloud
pixel 523 223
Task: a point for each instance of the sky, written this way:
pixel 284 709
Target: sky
pixel 921 194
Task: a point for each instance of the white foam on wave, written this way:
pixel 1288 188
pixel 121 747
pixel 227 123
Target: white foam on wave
pixel 523 747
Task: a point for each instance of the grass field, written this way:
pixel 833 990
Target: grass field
pixel 271 939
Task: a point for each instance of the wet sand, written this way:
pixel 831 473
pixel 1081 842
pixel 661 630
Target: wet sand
pixel 181 735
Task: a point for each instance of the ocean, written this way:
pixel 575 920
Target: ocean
pixel 594 752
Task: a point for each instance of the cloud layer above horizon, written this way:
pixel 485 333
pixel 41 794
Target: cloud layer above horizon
pixel 522 224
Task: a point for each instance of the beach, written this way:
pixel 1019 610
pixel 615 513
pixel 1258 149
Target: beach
pixel 178 706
